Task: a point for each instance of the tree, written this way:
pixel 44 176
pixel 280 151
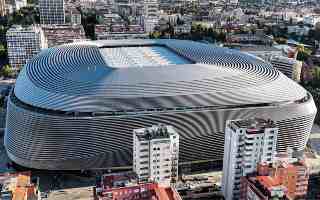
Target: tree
pixel 303 53
pixel 7 71
pixel 3 51
pixel 155 35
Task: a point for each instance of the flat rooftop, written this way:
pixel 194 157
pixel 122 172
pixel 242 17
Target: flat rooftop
pixel 141 56
pixel 254 123
pixel 154 132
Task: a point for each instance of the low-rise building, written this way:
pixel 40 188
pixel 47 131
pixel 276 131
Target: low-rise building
pixel 182 29
pixel 299 30
pixel 121 36
pixel 286 178
pixel 262 188
pixel 18 186
pixel 249 39
pixel 150 24
pixel 155 154
pixel 125 186
pixel 62 34
pixel 75 16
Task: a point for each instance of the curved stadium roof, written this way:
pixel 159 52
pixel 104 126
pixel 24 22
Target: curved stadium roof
pixel 98 77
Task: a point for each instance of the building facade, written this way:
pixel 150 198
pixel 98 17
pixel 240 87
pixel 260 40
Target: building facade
pixel 247 143
pixel 294 176
pixel 126 186
pixel 286 178
pixel 151 15
pixel 52 11
pixel 262 188
pixel 63 34
pixel 23 44
pixel 155 154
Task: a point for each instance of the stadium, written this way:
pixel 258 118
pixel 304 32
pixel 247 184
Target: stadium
pixel 75 106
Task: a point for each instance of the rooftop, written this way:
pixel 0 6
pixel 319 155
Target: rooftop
pixel 126 186
pixel 154 132
pixel 254 123
pixel 269 181
pixel 117 180
pixel 19 28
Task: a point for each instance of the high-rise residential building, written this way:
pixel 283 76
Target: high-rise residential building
pixel 155 154
pixel 151 15
pixel 247 142
pixel 2 8
pixel 52 11
pixel 288 66
pixel 24 43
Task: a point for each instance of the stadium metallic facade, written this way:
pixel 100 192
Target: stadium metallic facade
pixel 70 110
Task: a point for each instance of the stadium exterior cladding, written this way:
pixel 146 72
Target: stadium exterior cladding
pixel 70 110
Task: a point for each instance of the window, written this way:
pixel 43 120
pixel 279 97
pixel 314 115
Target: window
pixel 144 168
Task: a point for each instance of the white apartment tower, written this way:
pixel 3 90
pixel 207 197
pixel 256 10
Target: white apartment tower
pixel 52 11
pixel 151 15
pixel 155 154
pixel 24 43
pixel 247 143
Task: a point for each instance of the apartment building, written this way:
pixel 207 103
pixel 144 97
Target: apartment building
pixel 247 142
pixel 286 178
pixel 63 33
pixel 24 43
pixel 52 11
pixel 155 154
pixel 151 15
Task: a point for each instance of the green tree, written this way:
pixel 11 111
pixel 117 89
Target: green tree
pixel 3 51
pixel 7 71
